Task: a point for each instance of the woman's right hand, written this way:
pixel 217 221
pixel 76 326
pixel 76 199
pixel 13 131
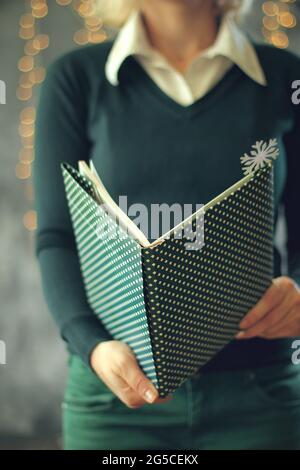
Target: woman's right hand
pixel 115 363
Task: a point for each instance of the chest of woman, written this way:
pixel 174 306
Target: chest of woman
pixel 152 150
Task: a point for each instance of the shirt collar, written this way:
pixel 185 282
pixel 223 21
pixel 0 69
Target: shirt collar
pixel 131 40
pixel 231 43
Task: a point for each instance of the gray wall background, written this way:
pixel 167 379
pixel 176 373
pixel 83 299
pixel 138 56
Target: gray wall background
pixel 32 381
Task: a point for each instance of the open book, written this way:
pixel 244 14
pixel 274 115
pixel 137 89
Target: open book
pixel 175 307
pixel 117 214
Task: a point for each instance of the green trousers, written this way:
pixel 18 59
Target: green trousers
pixel 248 409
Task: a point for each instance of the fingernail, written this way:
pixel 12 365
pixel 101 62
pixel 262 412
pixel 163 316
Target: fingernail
pixel 150 395
pixel 241 334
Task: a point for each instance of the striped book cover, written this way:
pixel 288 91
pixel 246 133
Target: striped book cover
pixel 176 307
pixel 111 268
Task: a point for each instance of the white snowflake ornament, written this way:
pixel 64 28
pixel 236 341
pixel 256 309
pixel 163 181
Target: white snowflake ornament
pixel 262 154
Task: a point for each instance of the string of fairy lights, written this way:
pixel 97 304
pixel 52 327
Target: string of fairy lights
pixel 33 73
pixel 278 19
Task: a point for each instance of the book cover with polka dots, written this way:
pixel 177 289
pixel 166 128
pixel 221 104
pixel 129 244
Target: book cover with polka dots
pixel 177 307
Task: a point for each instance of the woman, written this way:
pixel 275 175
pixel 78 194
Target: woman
pixel 180 94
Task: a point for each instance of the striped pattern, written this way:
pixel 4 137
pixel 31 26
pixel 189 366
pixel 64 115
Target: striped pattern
pixel 111 268
pixel 176 308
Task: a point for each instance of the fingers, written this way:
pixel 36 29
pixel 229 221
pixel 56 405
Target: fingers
pixel 115 364
pixel 283 332
pixel 271 320
pixel 125 393
pixel 132 374
pixel 120 387
pixel 271 299
pixel 287 327
pixel 133 387
pixel 276 315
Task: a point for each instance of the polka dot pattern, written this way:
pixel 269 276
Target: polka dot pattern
pixel 175 306
pixel 195 299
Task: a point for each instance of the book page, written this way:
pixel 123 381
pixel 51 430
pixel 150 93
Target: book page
pixel 128 225
pixel 111 206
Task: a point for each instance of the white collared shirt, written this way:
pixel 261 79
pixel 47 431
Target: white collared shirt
pixel 231 47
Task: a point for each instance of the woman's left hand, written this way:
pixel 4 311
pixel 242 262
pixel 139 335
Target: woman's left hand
pixel 276 315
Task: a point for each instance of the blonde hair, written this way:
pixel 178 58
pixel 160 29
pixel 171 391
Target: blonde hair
pixel 115 12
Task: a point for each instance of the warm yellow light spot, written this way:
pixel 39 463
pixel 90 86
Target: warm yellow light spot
pixel 96 38
pixel 40 12
pixel 63 3
pixel 81 37
pixel 27 21
pixel 270 8
pixel 91 27
pixel 86 9
pixel 93 21
pixel 37 75
pixel 24 80
pixel 26 63
pixel 24 94
pixel 26 155
pixel 23 170
pixel 28 142
pixel 279 39
pixel 30 48
pixel 38 4
pixel 287 20
pixel 41 41
pixel 27 115
pixel 270 23
pixel 26 33
pixel 30 220
pixel 26 130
